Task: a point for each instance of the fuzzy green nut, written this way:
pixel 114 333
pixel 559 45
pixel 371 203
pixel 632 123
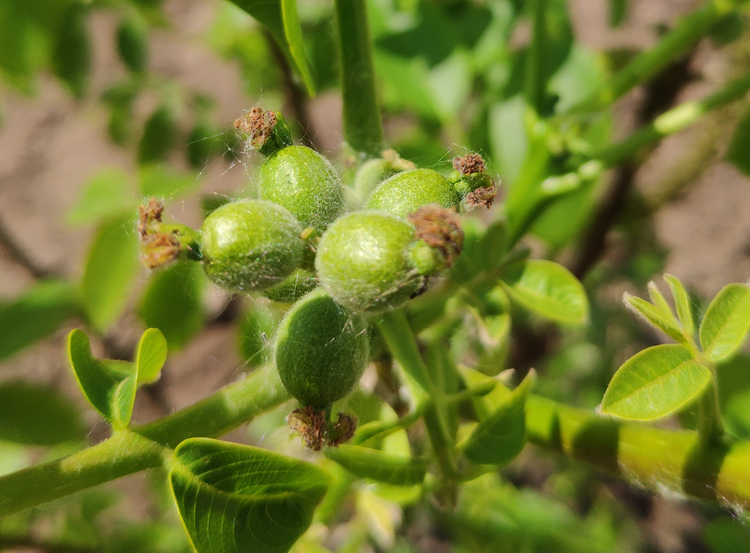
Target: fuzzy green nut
pixel 251 245
pixel 293 287
pixel 364 261
pixel 321 350
pixel 305 183
pixel 406 192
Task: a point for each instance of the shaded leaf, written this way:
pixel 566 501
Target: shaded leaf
pixel 159 136
pixel 108 385
pixel 256 331
pixel 204 141
pixel 106 194
pixel 35 314
pixel 235 498
pixel 150 355
pixel 739 147
pixel 501 435
pixel 132 43
pixel 71 58
pixel 657 317
pixel 110 271
pixel 726 322
pixel 38 415
pixel 173 302
pixel 363 462
pixel 682 305
pixel 654 383
pixel 549 289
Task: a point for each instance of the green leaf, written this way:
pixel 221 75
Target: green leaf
pixel 655 383
pixel 235 498
pixel 36 314
pixel 164 182
pixel 108 385
pixel 682 305
pixel 173 302
pixel 501 435
pixel 508 136
pixel 38 415
pixel 738 152
pixel 363 462
pixel 132 43
pixel 549 289
pixel 256 330
pixel 658 318
pixel 150 355
pixel 72 55
pixel 159 136
pixel 110 271
pixel 293 32
pixel 726 322
pixel 106 194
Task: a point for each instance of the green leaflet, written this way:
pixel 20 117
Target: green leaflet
pixel 150 356
pixel 35 314
pixel 107 194
pixel 235 498
pixel 164 182
pixel 38 415
pixel 363 462
pixel 726 322
pixel 280 17
pixel 658 317
pixel 501 435
pixel 549 289
pixel 654 383
pixel 108 385
pixel 682 305
pixel 110 271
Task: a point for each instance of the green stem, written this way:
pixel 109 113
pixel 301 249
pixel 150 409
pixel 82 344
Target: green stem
pixel 363 129
pixel 659 459
pixel 710 427
pixel 536 82
pixel 142 447
pixel 686 33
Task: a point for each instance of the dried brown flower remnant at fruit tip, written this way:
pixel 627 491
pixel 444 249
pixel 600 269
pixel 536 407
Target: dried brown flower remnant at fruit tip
pixel 159 249
pixel 469 164
pixel 481 197
pixel 343 430
pixel 310 424
pixel 257 124
pixel 440 228
pixel 148 214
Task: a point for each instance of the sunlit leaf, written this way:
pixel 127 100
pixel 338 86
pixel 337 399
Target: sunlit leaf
pixel 654 383
pixel 164 182
pixel 108 193
pixel 549 289
pixel 234 498
pixel 110 271
pixel 35 314
pixel 682 304
pixel 108 385
pixel 293 32
pixel 173 302
pixel 150 355
pixel 363 462
pixel 726 322
pixel 34 414
pixel 501 435
pixel 659 318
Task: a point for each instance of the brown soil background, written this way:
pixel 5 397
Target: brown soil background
pixel 50 146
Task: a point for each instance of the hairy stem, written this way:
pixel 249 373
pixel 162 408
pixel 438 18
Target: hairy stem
pixel 363 129
pixel 144 446
pixel 686 33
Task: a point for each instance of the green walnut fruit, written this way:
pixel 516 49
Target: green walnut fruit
pixel 251 245
pixel 296 285
pixel 406 192
pixel 365 261
pixel 305 183
pixel 321 350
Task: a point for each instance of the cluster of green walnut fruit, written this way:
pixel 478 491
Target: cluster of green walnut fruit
pixel 339 254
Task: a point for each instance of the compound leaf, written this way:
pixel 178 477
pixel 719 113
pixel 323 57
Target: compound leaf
pixel 35 314
pixel 34 414
pixel 726 322
pixel 108 385
pixel 682 304
pixel 151 355
pixel 657 317
pixel 549 289
pixel 234 498
pixel 654 383
pixel 501 435
pixel 110 271
pixel 364 462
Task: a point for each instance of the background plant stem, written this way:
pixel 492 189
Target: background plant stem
pixel 363 129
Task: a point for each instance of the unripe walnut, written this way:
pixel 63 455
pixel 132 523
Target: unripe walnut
pixel 405 193
pixel 251 245
pixel 321 350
